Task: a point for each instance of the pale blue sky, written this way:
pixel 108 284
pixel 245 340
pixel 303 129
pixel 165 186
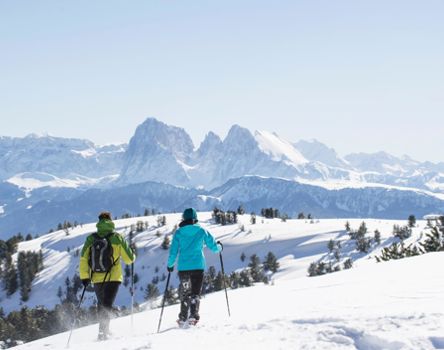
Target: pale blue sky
pixel 356 75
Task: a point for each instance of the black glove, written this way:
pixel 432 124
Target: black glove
pixel 221 245
pixel 86 282
pixel 170 269
pixel 133 248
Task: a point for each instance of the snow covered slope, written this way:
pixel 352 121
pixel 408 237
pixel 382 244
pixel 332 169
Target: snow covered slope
pixel 390 305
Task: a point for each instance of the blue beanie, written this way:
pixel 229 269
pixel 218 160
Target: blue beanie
pixel 189 214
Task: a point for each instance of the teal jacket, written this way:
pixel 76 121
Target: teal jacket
pixel 188 242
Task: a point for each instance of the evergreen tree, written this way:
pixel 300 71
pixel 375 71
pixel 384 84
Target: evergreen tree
pixel 253 218
pixel 166 243
pixel 241 210
pixel 363 244
pixel 136 278
pixel 139 227
pixel 60 293
pixel 337 255
pixel 209 279
pixel 255 268
pixel 347 226
pixel 301 216
pixel 412 221
pixel 171 296
pixel 434 241
pixel 348 264
pixel 312 269
pixel 377 237
pixel 402 233
pixel 245 279
pixel 243 257
pixel 10 281
pixel 234 280
pixel 362 229
pixel 219 281
pixel 151 291
pixel 271 263
pixel 331 245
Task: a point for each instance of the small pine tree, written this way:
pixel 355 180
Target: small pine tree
pixel 151 291
pixel 331 245
pixel 219 281
pixel 412 221
pixel 402 233
pixel 363 244
pixel 60 293
pixel 171 296
pixel 245 279
pixel 312 269
pixel 243 257
pixel 434 241
pixel 166 243
pixel 271 263
pixel 347 226
pixel 348 264
pixel 234 280
pixel 255 268
pixel 377 237
pixel 337 255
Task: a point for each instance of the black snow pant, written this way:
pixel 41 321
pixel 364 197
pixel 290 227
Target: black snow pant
pixel 106 294
pixel 189 292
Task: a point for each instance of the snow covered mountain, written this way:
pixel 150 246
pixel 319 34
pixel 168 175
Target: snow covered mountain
pixel 390 305
pixel 253 192
pixel 47 173
pixel 157 152
pixel 243 153
pixel 59 157
pixel 164 153
pixel 316 151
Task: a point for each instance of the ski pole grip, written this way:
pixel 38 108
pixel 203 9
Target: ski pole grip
pixel 221 245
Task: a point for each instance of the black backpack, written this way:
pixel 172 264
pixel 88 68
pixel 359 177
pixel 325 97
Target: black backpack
pixel 101 254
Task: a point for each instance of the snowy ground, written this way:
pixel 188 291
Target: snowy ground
pixel 390 305
pixel 393 305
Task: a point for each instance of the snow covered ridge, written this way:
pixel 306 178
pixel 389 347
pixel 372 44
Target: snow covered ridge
pixel 31 181
pixel 59 157
pixel 390 305
pixel 164 153
pixel 50 206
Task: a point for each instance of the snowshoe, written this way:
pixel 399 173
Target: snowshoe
pixel 192 321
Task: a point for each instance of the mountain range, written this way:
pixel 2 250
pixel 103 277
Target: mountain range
pixel 46 179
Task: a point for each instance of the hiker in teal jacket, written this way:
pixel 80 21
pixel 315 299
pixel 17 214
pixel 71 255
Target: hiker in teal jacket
pixel 188 242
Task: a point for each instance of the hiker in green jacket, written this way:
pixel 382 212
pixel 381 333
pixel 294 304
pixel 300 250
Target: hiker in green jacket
pixel 100 264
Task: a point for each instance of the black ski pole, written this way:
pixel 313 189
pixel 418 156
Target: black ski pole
pixel 132 295
pixel 163 301
pixel 223 277
pixel 76 314
pixel 132 280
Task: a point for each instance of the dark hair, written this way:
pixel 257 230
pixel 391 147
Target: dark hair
pixel 105 215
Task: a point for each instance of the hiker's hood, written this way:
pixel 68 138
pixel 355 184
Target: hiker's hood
pixel 104 227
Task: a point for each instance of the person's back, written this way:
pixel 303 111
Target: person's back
pixel 188 242
pixel 106 280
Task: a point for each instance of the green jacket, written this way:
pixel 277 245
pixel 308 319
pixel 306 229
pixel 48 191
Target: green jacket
pixel 120 250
